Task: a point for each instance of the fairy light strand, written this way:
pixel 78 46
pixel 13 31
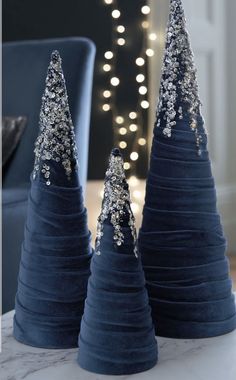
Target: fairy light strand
pixel 128 131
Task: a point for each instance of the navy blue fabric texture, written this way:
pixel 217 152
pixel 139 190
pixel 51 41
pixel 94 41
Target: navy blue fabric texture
pixel 117 335
pixel 55 264
pixel 181 240
pixel 23 81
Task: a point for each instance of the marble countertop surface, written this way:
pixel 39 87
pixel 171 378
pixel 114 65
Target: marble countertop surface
pixel 204 359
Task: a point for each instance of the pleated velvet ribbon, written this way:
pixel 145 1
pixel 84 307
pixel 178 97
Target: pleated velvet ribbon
pixel 117 335
pixel 54 268
pixel 181 240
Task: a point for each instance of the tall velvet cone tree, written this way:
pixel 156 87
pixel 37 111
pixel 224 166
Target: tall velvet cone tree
pixel 56 252
pixel 181 240
pixel 117 335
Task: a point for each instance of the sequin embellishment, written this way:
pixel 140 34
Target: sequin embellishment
pixel 116 203
pixel 56 140
pixel 179 88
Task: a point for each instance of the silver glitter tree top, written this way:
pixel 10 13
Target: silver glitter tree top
pixel 179 94
pixel 56 140
pixel 116 203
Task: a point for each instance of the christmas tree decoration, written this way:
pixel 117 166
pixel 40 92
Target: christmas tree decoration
pixel 181 240
pixel 56 252
pixel 117 335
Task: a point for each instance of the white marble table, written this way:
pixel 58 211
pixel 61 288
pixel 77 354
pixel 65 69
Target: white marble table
pixel 205 359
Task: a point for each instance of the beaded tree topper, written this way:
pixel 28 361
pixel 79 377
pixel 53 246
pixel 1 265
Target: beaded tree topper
pixel 56 140
pixel 116 203
pixel 179 88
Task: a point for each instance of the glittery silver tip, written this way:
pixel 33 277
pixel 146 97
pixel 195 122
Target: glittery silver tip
pixel 116 203
pixel 56 140
pixel 55 56
pixel 179 95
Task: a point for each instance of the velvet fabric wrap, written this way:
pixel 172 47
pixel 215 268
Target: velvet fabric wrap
pixel 54 268
pixel 181 240
pixel 117 335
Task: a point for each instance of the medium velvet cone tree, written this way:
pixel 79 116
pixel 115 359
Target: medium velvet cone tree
pixel 56 252
pixel 181 240
pixel 117 335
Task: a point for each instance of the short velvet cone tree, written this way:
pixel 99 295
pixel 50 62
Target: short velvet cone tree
pixel 56 252
pixel 181 240
pixel 117 334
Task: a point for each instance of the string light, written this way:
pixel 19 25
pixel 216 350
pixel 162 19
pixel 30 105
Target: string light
pixel 133 115
pixel 145 24
pixel 133 127
pixel 133 181
pixel 126 165
pixel 123 131
pixel 108 55
pixel 142 90
pixel 107 94
pixel 152 36
pixel 115 13
pixel 119 120
pixel 107 67
pixel 106 107
pixel 135 207
pixel 120 29
pixel 101 193
pixel 150 52
pixel 144 104
pixel 142 141
pixel 140 78
pixel 145 10
pixel 137 194
pixel 122 144
pixel 121 41
pixel 134 156
pixel 115 81
pixel 140 61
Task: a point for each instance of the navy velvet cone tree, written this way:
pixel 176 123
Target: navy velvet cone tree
pixel 56 252
pixel 181 240
pixel 117 335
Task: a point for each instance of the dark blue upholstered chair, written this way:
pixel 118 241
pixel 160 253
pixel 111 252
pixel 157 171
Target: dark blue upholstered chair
pixel 24 71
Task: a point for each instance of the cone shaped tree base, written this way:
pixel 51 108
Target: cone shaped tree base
pixel 54 268
pixel 95 364
pixel 182 242
pixel 170 328
pixel 117 335
pixel 35 336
